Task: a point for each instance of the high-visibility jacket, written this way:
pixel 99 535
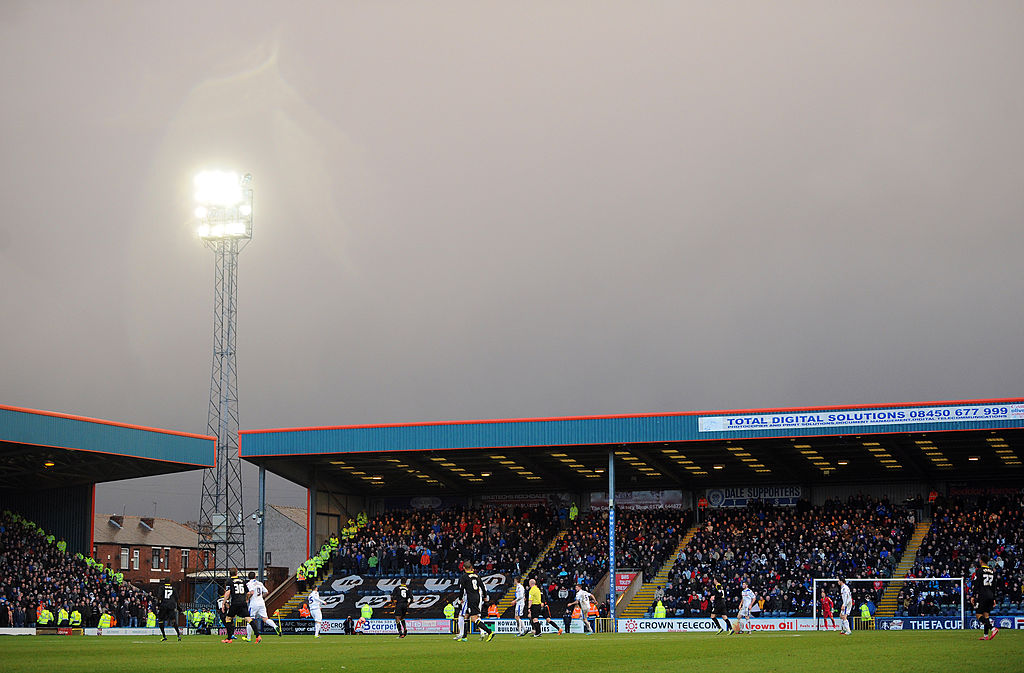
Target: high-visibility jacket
pixel 865 613
pixel 574 511
pixel 105 621
pixel 150 620
pixel 576 612
pixel 366 611
pixel 492 611
pixel 659 610
pixel 449 611
pixel 45 618
pixel 592 612
pixel 304 611
pixel 75 619
pixel 62 616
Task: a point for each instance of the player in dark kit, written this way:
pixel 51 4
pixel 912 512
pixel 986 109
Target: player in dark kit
pixel 718 608
pixel 168 610
pixel 475 594
pixel 545 614
pixel 983 596
pixel 401 596
pixel 235 604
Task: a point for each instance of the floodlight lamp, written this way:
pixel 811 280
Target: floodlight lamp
pixel 204 231
pixel 218 188
pixel 201 212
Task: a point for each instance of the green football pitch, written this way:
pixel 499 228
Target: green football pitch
pixel 876 652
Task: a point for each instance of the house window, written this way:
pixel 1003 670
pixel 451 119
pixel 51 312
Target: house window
pixel 156 558
pixel 184 559
pixel 135 559
pixel 167 559
pixel 124 558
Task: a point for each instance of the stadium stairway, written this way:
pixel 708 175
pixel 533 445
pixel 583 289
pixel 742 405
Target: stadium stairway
pixel 645 595
pixel 887 606
pixel 510 596
pixel 291 607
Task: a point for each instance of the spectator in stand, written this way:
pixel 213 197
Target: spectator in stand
pixel 35 570
pixel 962 529
pixel 781 549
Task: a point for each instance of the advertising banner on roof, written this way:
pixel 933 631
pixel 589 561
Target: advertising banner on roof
pixel 818 420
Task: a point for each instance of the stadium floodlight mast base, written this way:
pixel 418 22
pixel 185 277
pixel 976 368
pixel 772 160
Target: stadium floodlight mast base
pixel 885 580
pixel 225 226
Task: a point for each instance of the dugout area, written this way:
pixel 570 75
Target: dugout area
pixel 50 464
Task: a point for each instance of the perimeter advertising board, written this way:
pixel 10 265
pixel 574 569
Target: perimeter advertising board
pixel 706 625
pixel 509 626
pixel 942 623
pixel 336 627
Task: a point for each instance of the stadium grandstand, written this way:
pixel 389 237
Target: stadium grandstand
pixel 645 511
pixel 50 464
pixel 775 497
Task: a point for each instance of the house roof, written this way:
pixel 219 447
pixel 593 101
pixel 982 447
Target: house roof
pixel 296 514
pixel 142 531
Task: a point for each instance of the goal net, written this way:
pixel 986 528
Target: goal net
pixel 889 603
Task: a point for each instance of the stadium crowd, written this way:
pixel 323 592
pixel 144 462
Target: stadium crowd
pixel 645 539
pixel 438 542
pixel 780 550
pixel 37 574
pixel 962 529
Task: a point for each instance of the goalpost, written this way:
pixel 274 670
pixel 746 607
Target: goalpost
pixel 943 594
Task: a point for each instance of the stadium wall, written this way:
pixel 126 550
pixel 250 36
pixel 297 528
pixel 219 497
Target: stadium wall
pixel 64 512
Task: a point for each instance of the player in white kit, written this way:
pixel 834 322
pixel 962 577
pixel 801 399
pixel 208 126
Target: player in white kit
pixel 521 624
pixel 844 612
pixel 463 612
pixel 747 598
pixel 315 604
pixel 583 600
pixel 258 607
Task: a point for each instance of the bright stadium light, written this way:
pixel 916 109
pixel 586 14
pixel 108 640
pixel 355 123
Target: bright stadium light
pixel 218 188
pixel 224 210
pixel 224 205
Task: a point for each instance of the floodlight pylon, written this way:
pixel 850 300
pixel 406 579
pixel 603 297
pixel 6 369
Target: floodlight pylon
pixel 221 525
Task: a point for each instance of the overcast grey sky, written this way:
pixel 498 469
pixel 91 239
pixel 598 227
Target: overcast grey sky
pixel 508 209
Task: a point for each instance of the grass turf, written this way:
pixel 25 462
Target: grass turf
pixel 878 652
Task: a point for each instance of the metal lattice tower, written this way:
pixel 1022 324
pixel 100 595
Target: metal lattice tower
pixel 226 216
